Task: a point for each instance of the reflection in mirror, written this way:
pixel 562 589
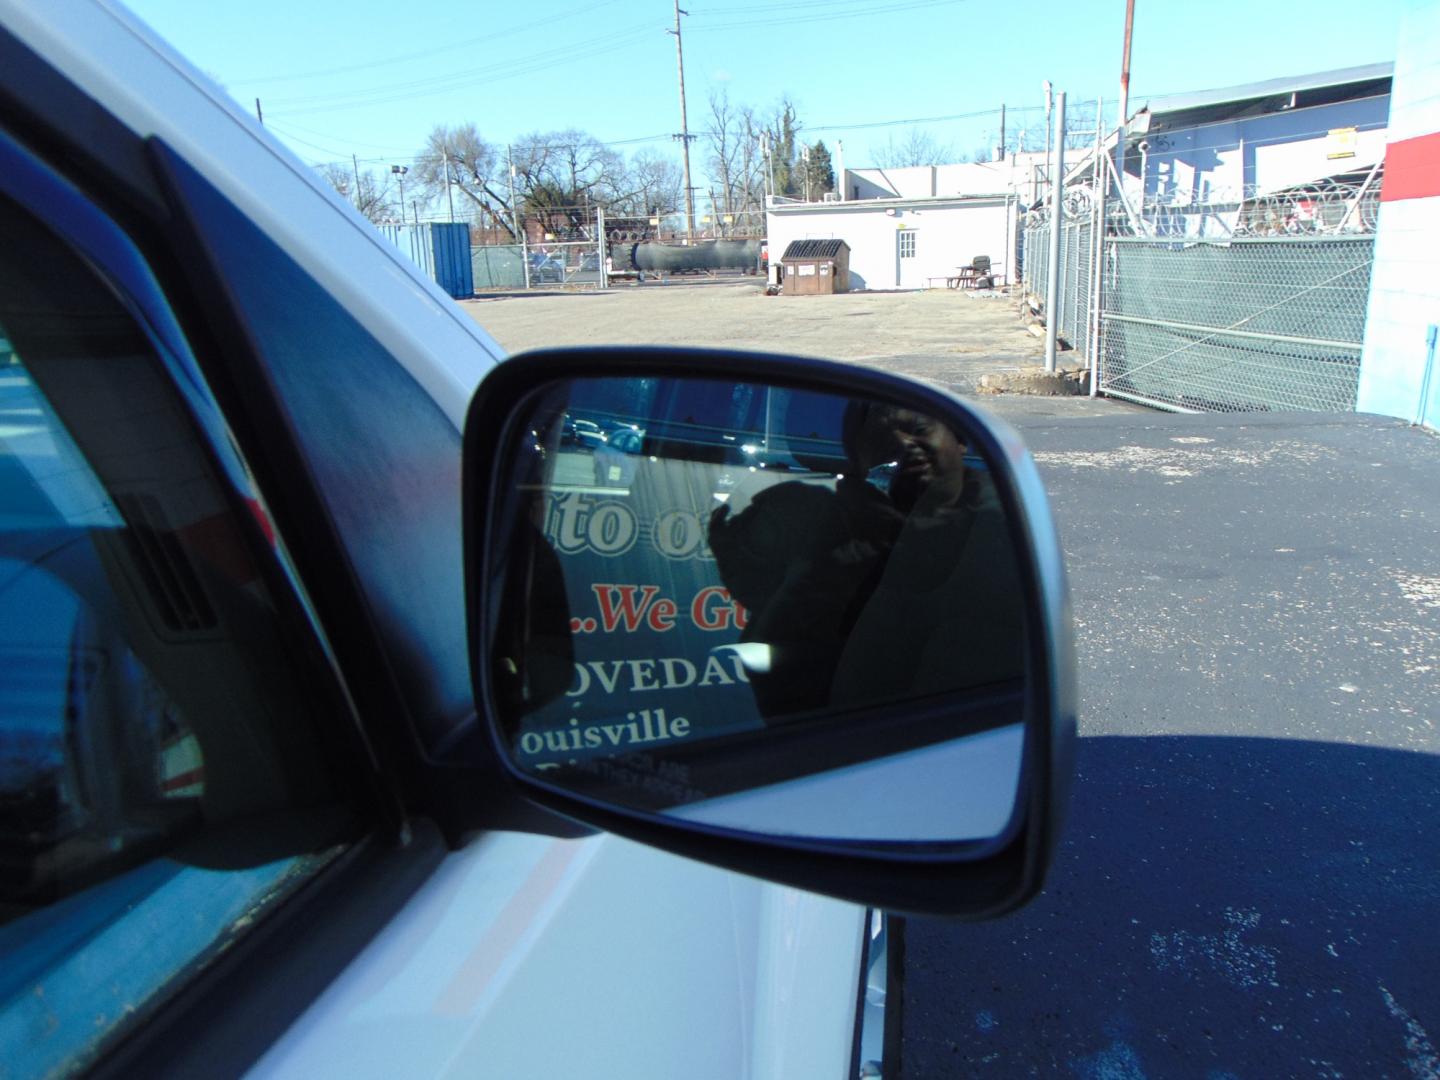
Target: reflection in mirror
pixel 767 609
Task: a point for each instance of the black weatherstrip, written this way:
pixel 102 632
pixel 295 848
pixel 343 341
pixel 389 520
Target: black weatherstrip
pixel 236 1009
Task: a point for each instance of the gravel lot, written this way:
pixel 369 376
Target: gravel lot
pixel 949 337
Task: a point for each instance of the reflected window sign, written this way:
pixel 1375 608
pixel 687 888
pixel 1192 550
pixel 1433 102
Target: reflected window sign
pixel 705 609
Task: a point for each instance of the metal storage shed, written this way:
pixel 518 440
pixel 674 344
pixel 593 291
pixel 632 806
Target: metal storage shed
pixel 442 250
pixel 812 267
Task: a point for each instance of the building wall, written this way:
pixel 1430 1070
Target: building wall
pixel 1219 162
pixel 947 235
pixel 924 181
pixel 1405 284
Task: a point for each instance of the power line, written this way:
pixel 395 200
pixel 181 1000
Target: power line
pixel 340 138
pixel 830 15
pixel 484 39
pixel 305 142
pixel 458 79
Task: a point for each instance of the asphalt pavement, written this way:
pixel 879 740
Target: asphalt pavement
pixel 1249 880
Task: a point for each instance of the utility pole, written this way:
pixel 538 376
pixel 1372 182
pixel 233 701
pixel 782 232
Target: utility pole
pixel 259 115
pixel 805 158
pixel 1002 132
pixel 684 135
pixel 1125 95
pixel 355 163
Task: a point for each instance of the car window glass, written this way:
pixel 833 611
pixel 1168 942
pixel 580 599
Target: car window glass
pixel 384 457
pixel 159 748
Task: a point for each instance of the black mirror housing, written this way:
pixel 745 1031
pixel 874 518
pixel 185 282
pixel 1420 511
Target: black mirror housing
pixel 798 619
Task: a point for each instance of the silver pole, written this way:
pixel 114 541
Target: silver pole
pixel 515 215
pixel 1057 221
pixel 600 228
pixel 1097 241
pixel 449 195
pixel 1049 115
pixel 765 154
pixel 1011 223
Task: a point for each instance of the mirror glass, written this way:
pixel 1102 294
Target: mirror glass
pixel 767 609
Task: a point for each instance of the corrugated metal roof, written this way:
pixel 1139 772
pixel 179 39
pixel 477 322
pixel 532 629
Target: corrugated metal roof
pixel 1270 87
pixel 813 249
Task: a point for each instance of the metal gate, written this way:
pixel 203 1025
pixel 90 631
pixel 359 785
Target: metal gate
pixel 1244 325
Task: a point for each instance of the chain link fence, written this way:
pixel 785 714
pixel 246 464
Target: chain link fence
pixel 498 266
pixel 1243 305
pixel 563 247
pixel 1077 259
pixel 557 247
pixel 1251 324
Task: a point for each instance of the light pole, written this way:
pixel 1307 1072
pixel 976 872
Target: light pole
pixel 400 171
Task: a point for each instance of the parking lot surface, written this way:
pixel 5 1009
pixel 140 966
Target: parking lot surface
pixel 951 337
pixel 1247 882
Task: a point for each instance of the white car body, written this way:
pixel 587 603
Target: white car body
pixel 522 955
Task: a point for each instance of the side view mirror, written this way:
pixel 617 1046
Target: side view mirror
pixel 794 618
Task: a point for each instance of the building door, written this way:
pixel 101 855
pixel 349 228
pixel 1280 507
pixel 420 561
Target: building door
pixel 907 265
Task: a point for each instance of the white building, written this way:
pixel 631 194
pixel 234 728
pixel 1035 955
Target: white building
pixel 1398 369
pixel 1018 174
pixel 1242 143
pixel 903 243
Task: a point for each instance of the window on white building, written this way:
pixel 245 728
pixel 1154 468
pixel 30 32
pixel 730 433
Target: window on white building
pixel 907 244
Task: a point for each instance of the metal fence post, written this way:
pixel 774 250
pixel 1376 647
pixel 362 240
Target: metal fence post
pixel 1057 218
pixel 600 233
pixel 1099 184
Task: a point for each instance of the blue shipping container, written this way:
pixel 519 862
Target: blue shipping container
pixel 441 249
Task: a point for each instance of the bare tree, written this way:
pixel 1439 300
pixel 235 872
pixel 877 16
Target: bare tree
pixel 1080 120
pixel 724 139
pixel 562 175
pixel 917 148
pixel 653 182
pixel 373 198
pixel 752 164
pixel 476 173
pixel 743 147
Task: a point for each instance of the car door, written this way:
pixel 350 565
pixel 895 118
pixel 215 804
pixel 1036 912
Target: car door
pixel 330 443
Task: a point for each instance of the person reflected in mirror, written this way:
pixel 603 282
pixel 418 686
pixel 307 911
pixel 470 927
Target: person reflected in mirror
pixel 945 610
pixel 897 583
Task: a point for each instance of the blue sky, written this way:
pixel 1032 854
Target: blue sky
pixel 371 78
